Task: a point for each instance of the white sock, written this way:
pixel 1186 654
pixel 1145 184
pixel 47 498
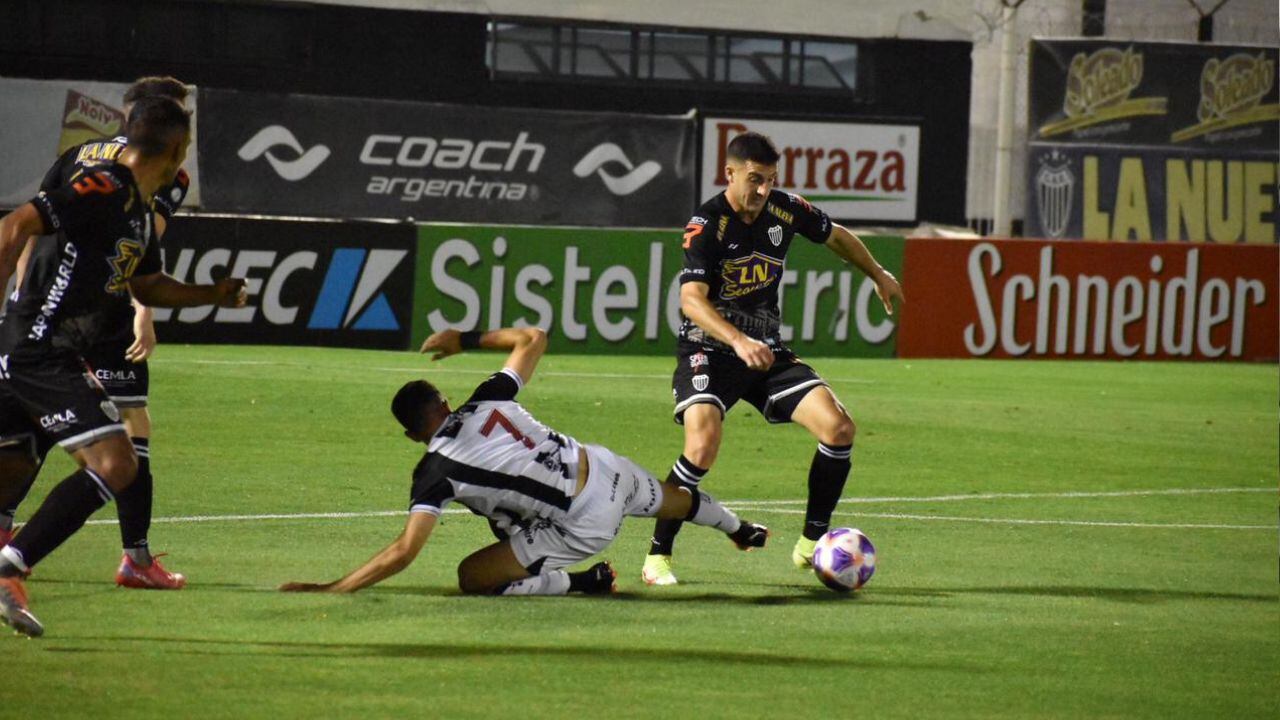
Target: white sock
pixel 712 514
pixel 555 582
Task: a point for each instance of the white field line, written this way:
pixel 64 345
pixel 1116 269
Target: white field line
pixel 436 370
pixel 778 507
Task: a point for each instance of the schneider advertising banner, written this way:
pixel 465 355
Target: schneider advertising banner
pixel 304 155
pixel 615 291
pixel 309 283
pixel 854 171
pixel 1153 141
pixel 1088 300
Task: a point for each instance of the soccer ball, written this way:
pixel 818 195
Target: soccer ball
pixel 844 559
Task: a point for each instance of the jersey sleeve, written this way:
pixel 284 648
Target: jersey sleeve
pixel 53 179
pixel 502 385
pixel 72 206
pixel 152 260
pixel 168 200
pixel 811 222
pixel 431 491
pixel 701 249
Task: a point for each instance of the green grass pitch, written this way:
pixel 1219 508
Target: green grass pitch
pixel 1056 540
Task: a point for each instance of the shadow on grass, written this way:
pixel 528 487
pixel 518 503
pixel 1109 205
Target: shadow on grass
pixel 463 650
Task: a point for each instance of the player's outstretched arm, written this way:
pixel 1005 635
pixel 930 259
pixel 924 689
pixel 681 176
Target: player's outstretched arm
pixel 162 290
pixel 696 305
pixel 395 557
pixel 527 346
pixel 15 229
pixel 850 247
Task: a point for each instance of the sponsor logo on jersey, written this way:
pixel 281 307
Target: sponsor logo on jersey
pixel 115 375
pixel 57 291
pixel 58 420
pixel 747 274
pixel 604 154
pixel 125 262
pixel 775 235
pixel 785 216
pixel 697 360
pixel 273 136
pixel 700 382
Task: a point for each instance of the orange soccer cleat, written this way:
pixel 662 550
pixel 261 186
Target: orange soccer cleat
pixel 151 577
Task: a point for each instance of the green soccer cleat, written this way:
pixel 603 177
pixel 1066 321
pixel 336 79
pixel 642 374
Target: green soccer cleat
pixel 802 553
pixel 657 570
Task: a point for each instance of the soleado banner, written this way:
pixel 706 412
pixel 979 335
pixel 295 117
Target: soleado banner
pixel 310 283
pixel 304 155
pixel 1153 141
pixel 42 118
pixel 853 171
pixel 1087 300
pixel 615 291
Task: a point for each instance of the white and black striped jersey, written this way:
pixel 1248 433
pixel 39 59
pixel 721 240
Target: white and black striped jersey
pixel 492 456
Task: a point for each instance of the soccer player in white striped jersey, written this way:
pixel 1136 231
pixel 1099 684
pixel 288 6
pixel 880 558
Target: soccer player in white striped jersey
pixel 552 500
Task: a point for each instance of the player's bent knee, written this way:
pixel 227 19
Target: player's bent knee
pixel 470 583
pixel 117 469
pixel 843 431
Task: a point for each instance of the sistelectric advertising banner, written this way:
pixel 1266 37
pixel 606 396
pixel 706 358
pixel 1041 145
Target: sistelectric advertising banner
pixel 1090 300
pixel 854 171
pixel 305 155
pixel 43 118
pixel 615 291
pixel 342 284
pixel 1153 141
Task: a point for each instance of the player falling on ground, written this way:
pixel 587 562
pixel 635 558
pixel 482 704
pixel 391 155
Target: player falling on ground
pixel 557 501
pixel 106 249
pixel 119 359
pixel 730 344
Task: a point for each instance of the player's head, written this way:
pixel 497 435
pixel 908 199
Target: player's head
pixel 155 86
pixel 751 167
pixel 420 407
pixel 159 129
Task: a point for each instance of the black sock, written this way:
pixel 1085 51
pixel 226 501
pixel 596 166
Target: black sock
pixel 683 473
pixel 63 512
pixel 827 475
pixel 133 504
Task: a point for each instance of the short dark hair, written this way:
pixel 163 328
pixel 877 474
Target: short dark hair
pixel 156 86
pixel 155 123
pixel 412 403
pixel 753 147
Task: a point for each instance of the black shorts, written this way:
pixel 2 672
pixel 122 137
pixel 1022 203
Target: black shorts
pixel 126 382
pixel 719 379
pixel 54 399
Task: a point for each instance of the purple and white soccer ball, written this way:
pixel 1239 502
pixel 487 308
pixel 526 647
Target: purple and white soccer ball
pixel 844 559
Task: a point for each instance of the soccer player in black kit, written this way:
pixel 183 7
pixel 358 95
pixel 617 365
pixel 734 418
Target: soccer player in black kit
pixel 730 345
pixel 106 249
pixel 119 358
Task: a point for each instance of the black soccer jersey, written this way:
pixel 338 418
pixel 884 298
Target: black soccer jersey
pixel 743 264
pixel 86 156
pixel 495 458
pixel 76 283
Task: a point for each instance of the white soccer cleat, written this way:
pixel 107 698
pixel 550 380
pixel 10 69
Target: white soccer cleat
pixel 657 570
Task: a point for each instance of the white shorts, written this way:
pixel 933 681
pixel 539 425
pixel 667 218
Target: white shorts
pixel 616 488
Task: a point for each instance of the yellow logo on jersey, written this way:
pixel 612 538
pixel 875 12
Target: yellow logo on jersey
pixel 125 261
pixel 747 274
pixel 783 215
pixel 98 152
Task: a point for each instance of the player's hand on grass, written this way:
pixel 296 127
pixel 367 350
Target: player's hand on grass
pixel 231 292
pixel 443 344
pixel 306 587
pixel 888 288
pixel 754 353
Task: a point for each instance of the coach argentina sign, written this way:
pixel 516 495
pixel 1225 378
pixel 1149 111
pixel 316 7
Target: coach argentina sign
pixel 301 155
pixel 309 283
pixel 852 171
pixel 615 291
pixel 1023 298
